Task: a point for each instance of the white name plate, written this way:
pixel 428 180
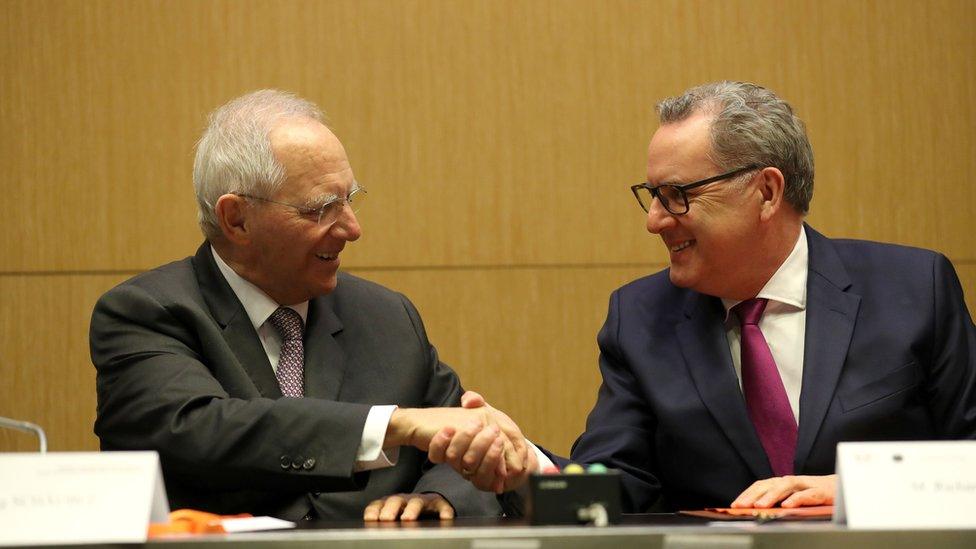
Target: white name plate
pixel 80 497
pixel 902 485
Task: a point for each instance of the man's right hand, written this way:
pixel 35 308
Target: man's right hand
pixel 474 452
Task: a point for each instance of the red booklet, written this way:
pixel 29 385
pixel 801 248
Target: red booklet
pixel 821 512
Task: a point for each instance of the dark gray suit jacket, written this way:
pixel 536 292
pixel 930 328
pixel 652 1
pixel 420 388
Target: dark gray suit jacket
pixel 182 371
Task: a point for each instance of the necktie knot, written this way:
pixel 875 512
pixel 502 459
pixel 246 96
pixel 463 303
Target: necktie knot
pixel 288 323
pixel 750 310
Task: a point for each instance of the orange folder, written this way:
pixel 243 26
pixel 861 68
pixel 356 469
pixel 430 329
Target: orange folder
pixel 189 521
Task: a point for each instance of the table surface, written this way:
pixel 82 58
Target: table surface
pixel 646 531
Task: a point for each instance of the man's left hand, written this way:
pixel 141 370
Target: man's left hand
pixel 408 507
pixel 789 491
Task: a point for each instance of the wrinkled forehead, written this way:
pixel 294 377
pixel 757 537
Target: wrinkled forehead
pixel 296 138
pixel 314 159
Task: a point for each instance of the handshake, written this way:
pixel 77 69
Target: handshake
pixel 481 443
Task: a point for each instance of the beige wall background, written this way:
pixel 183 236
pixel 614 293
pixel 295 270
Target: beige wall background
pixel 498 140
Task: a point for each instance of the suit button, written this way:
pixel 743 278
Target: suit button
pixel 297 462
pixel 309 464
pixel 285 462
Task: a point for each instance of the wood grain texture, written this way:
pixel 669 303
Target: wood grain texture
pixel 491 132
pixel 48 378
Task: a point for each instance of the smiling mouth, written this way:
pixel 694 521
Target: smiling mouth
pixel 327 257
pixel 681 246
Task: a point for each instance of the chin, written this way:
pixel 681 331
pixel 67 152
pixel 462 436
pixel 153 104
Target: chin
pixel 327 287
pixel 680 278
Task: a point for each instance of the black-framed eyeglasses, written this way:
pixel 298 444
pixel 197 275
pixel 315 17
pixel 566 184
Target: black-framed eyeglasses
pixel 674 198
pixel 327 213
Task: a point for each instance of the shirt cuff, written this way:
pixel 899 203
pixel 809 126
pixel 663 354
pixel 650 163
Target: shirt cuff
pixel 370 454
pixel 544 460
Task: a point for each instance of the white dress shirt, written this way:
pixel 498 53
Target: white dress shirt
pixel 259 307
pixel 783 323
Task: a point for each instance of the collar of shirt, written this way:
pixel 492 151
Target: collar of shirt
pixel 788 285
pixel 257 304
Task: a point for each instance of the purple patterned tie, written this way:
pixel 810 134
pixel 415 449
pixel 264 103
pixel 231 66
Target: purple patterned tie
pixel 291 361
pixel 766 400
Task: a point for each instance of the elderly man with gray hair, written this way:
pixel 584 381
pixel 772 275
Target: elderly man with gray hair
pixel 268 381
pixel 729 378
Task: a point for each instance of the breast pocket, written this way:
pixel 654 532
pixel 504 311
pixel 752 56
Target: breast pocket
pixel 888 385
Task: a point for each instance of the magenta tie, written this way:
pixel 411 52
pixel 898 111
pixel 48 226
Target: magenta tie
pixel 291 361
pixel 766 400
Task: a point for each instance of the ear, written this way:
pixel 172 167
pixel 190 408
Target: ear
pixel 771 187
pixel 231 211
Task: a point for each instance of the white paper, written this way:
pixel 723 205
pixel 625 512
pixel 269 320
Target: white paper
pixel 254 524
pixel 80 497
pixel 902 485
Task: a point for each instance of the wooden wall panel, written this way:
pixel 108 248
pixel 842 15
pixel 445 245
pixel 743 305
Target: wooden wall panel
pixel 47 376
pixel 492 132
pixel 497 138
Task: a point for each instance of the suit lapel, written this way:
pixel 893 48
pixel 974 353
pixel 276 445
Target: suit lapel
pixel 831 314
pixel 706 351
pixel 325 361
pixel 238 332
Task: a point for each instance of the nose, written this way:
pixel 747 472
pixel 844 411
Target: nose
pixel 347 226
pixel 658 218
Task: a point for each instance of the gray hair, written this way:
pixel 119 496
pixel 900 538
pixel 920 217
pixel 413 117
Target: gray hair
pixel 234 155
pixel 751 125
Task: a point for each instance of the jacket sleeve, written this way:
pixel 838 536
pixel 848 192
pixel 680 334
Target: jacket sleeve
pixel 951 378
pixel 445 389
pixel 620 428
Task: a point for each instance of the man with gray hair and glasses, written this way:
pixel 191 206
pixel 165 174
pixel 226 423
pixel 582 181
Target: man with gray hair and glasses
pixel 729 378
pixel 268 381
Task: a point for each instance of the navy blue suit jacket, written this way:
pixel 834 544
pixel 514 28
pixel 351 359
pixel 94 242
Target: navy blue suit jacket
pixel 890 354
